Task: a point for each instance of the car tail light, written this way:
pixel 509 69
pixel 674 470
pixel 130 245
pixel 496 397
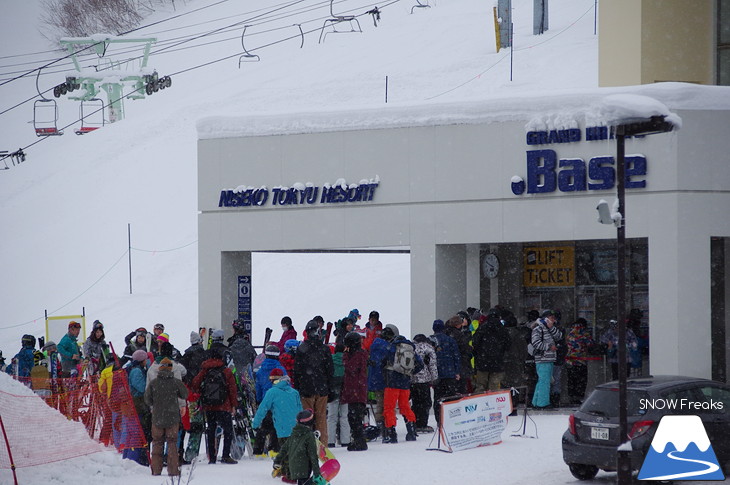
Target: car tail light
pixel 571 424
pixel 640 428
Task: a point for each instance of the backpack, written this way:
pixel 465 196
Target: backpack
pixel 213 390
pixel 405 359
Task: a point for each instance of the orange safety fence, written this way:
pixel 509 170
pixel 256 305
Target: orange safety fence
pixel 65 418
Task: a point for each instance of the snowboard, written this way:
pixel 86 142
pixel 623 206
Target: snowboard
pixel 330 466
pixel 197 428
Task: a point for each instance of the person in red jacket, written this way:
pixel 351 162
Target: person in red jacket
pixel 287 333
pixel 219 407
pixel 355 389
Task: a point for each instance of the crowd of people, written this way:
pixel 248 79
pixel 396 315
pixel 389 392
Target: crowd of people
pixel 344 392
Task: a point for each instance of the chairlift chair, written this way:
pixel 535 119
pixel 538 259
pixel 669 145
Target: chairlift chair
pixel 247 56
pixel 45 118
pixel 337 19
pixel 420 4
pixel 91 113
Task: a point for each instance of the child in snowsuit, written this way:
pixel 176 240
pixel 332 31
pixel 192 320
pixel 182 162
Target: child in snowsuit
pixel 301 450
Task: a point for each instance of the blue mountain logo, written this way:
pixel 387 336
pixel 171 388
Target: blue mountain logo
pixel 681 450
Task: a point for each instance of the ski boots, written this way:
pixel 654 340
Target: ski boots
pixel 411 432
pixel 391 435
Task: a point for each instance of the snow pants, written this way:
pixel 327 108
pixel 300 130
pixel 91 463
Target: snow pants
pixel 391 397
pixel 421 398
pixel 337 414
pixel 318 404
pixel 160 436
pixel 541 398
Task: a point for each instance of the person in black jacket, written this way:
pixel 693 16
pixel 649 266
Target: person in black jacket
pixel 313 374
pixel 490 342
pixel 453 329
pixel 193 357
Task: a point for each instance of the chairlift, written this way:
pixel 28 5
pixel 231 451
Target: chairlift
pixel 91 113
pixel 337 19
pixel 247 56
pixel 420 4
pixel 45 117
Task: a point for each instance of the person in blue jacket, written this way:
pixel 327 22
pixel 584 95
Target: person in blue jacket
pixel 23 360
pixel 283 402
pixel 448 361
pixel 137 373
pixel 376 380
pixel 263 383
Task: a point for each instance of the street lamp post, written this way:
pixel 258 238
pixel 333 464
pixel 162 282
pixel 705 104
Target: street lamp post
pixel 656 124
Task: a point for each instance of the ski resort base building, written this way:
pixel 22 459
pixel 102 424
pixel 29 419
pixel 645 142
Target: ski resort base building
pixel 496 203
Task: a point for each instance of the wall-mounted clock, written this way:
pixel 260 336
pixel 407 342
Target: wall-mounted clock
pixel 491 265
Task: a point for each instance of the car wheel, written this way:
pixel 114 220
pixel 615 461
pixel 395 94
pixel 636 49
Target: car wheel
pixel 583 472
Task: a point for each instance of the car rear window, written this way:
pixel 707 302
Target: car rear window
pixel 604 402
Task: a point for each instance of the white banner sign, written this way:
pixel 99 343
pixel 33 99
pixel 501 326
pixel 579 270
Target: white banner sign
pixel 476 420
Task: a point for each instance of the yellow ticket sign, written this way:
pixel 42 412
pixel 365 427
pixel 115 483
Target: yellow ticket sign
pixel 549 266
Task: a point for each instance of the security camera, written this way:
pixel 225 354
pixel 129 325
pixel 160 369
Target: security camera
pixel 605 215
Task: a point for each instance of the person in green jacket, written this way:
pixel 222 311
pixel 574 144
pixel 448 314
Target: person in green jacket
pixel 300 451
pixel 69 350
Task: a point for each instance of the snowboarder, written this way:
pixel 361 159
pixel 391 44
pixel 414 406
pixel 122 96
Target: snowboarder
pixel 301 451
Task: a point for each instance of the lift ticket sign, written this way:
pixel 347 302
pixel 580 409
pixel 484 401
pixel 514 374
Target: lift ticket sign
pixel 548 266
pixel 476 420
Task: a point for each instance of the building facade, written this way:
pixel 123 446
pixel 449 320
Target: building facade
pixel 493 208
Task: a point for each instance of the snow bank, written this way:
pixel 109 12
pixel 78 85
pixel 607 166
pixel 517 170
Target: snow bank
pixel 601 106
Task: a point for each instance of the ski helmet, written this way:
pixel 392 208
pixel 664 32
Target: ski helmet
pixel 27 341
pixel 291 345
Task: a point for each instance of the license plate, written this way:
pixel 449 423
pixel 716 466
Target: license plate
pixel 599 433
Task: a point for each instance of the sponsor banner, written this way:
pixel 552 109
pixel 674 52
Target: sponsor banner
pixel 476 420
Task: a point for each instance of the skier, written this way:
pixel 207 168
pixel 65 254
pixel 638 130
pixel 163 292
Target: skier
pixel 313 372
pixel 24 360
pixel 137 376
pixel 218 397
pixel 69 350
pixel 96 350
pixel 288 333
pixel 301 451
pixel 398 382
pixel 376 380
pixel 336 409
pixel 422 381
pixel 355 390
pixel 491 341
pixel 448 362
pixel 162 396
pixel 282 403
pixel 139 342
pixel 263 384
pixel 242 351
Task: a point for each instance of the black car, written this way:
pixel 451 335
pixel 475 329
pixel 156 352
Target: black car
pixel 592 437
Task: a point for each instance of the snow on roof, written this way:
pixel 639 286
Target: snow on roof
pixel 602 106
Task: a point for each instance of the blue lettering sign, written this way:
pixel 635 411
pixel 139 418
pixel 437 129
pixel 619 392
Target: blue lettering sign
pixel 553 136
pixel 601 169
pixel 541 171
pixel 572 178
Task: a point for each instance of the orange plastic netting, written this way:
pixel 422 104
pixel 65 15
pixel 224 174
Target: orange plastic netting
pixel 64 418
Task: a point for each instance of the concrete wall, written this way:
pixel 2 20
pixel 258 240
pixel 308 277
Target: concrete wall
pixel 648 41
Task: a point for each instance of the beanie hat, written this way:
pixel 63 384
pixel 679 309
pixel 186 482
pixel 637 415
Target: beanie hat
pixel 438 326
pixel 195 338
pixel 271 350
pixel 49 345
pixel 305 416
pixel 163 337
pixel 393 329
pixel 454 321
pixel 139 355
pixel 165 362
pixel 275 373
pixel 218 335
